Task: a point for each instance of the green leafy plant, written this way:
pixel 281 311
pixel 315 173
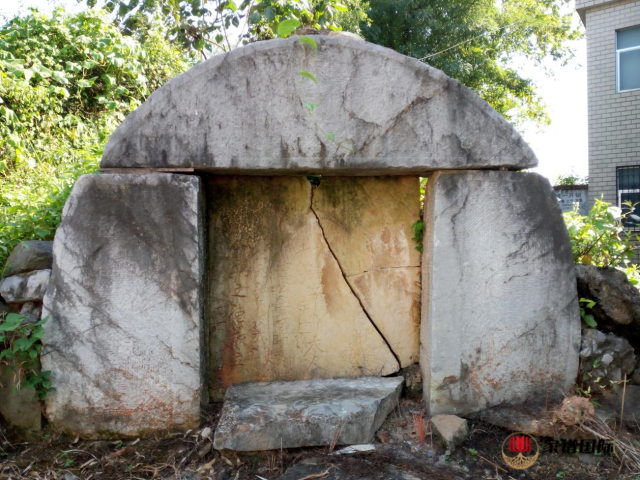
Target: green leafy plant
pixel 571 179
pixel 418 230
pixel 20 344
pixel 66 82
pixel 285 28
pixel 587 318
pixel 599 238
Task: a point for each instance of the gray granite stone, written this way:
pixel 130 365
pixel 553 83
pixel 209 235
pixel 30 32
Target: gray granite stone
pixel 124 339
pixel 243 112
pixel 305 413
pixel 500 321
pixel 28 256
pixel 25 287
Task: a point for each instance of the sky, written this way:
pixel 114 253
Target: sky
pixel 561 148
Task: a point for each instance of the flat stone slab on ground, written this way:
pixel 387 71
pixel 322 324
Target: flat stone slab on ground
pixel 25 287
pixel 307 413
pixel 28 256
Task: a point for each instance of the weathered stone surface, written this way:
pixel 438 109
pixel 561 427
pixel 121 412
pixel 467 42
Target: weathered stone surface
pixel 500 322
pixel 452 430
pixel 368 221
pixel 631 414
pixel 25 287
pixel 606 358
pixel 280 307
pixel 243 112
pixel 123 341
pixel 19 407
pixel 32 311
pixel 28 256
pixel 617 300
pixel 267 416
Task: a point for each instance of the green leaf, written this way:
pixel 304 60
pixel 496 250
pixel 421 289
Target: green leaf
pixel 308 75
pixel 589 320
pixel 287 26
pixel 87 83
pixel 309 41
pixel 269 13
pixel 89 64
pixel 340 7
pixel 60 77
pixel 231 5
pixel 311 106
pixel 330 136
pixel 27 74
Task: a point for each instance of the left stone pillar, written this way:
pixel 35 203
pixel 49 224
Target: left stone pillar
pixel 124 341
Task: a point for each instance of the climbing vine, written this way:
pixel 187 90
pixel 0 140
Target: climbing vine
pixel 20 345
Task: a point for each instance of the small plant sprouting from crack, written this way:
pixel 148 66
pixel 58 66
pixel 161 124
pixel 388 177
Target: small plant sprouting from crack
pixel 285 28
pixel 311 107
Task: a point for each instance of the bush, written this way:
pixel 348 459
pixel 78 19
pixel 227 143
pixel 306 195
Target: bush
pixel 66 82
pixel 599 238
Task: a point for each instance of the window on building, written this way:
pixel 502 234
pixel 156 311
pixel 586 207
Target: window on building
pixel 629 191
pixel 628 59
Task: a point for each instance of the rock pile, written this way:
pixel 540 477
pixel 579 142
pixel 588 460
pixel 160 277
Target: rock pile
pixel 26 277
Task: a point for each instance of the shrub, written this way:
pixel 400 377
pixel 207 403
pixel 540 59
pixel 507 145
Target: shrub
pixel 599 238
pixel 66 82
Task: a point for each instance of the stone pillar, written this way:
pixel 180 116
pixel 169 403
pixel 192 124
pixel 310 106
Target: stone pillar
pixel 500 318
pixel 124 339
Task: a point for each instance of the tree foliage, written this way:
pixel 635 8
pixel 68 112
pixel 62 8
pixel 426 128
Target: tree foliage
pixel 221 25
pixel 66 81
pixel 474 41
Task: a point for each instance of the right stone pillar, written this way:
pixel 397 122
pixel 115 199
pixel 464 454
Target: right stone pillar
pixel 500 313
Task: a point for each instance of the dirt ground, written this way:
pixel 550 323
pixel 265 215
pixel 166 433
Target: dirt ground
pixel 399 454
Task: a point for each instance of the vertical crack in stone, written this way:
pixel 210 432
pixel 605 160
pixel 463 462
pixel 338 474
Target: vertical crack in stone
pixel 344 276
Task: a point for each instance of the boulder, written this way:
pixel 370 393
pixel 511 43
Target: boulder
pixel 631 414
pixel 617 300
pixel 18 406
pixel 282 307
pixel 452 430
pixel 500 318
pixel 605 359
pixel 243 112
pixel 32 311
pixel 124 339
pixel 29 255
pixel 25 287
pixel 306 413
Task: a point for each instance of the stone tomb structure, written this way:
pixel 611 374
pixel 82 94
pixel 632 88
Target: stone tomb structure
pixel 204 258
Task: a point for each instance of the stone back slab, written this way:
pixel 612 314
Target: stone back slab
pixel 279 305
pixel 243 112
pixel 500 318
pixel 124 339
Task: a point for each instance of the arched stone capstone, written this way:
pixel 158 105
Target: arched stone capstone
pixel 244 112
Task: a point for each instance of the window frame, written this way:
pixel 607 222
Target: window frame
pixel 620 191
pixel 618 52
